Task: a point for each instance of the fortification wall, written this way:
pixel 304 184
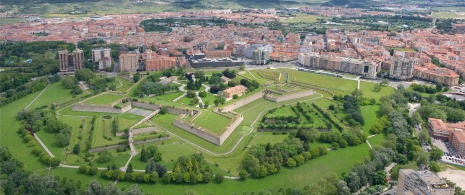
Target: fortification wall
pixel 150 140
pixel 289 96
pixel 144 130
pixel 99 149
pixel 242 102
pixel 198 131
pixel 171 110
pixel 100 108
pixel 231 127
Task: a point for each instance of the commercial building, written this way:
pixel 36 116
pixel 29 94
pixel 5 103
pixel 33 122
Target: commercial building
pixel 201 63
pixel 236 90
pixel 413 182
pixel 102 56
pixel 70 61
pixel 128 62
pixel 451 132
pixel 217 54
pixel 401 68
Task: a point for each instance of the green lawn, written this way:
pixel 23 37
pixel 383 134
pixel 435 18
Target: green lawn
pixel 283 111
pixel 103 128
pixel 369 115
pixel 367 88
pixel 55 92
pixel 124 85
pixel 334 162
pixel 104 99
pixel 127 120
pixel 210 98
pixel 212 121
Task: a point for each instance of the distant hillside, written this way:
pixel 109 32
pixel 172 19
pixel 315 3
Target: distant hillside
pixel 44 1
pixel 351 3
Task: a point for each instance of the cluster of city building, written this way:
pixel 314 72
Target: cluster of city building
pixel 452 132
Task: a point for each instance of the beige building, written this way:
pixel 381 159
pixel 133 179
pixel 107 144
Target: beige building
pixel 236 90
pixel 436 74
pixel 128 62
pixel 70 61
pixel 342 64
pixel 422 183
pixel 102 56
pixel 401 68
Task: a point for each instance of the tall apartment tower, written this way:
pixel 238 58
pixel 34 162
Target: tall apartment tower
pixel 128 62
pixel 401 68
pixel 422 183
pixel 71 61
pixel 261 56
pixel 63 60
pixel 102 56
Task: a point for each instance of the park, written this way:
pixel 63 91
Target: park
pixel 269 113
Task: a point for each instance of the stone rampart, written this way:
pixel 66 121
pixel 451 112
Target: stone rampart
pixel 150 140
pixel 170 109
pixel 289 96
pixel 231 127
pixel 144 130
pixel 242 102
pixel 198 131
pixel 99 149
pixel 100 108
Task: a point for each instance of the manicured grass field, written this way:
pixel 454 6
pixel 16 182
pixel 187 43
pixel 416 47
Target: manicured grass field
pixel 124 85
pixel 369 115
pixel 127 120
pixel 283 111
pixel 454 15
pixel 376 140
pixel 103 128
pixel 165 98
pixel 367 88
pixel 53 93
pixel 304 18
pixel 273 75
pixel 334 162
pixel 211 121
pixel 104 99
pixel 335 84
pixel 210 98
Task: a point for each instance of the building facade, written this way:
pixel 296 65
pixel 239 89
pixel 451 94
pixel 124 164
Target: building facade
pixel 128 62
pixel 102 56
pixel 364 68
pixel 451 132
pixel 401 68
pixel 422 183
pixel 70 61
pixel 261 56
pixel 236 90
pixel 160 63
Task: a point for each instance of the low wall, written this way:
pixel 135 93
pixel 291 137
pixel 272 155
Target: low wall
pixel 289 96
pixel 100 108
pixel 230 128
pixel 144 130
pixel 198 131
pixel 171 110
pixel 150 140
pixel 242 102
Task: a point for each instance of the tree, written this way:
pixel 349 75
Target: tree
pixel 384 82
pixel 77 149
pixel 235 96
pixel 143 155
pixel 434 166
pixel 342 188
pixel 136 77
pixel 104 156
pixel 62 139
pixel 423 137
pixel 84 74
pixel 68 82
pixel 129 169
pixel 436 154
pixel 219 178
pixel 416 118
pixel 243 174
pixel 377 88
pixel 242 68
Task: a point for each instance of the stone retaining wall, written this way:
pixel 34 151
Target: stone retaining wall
pixel 171 110
pixel 100 108
pixel 150 140
pixel 289 96
pixel 99 149
pixel 231 127
pixel 144 130
pixel 242 102
pixel 198 131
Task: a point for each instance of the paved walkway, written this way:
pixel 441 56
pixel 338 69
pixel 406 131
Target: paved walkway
pixel 43 145
pixel 30 103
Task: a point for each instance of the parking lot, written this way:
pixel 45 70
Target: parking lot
pixel 451 157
